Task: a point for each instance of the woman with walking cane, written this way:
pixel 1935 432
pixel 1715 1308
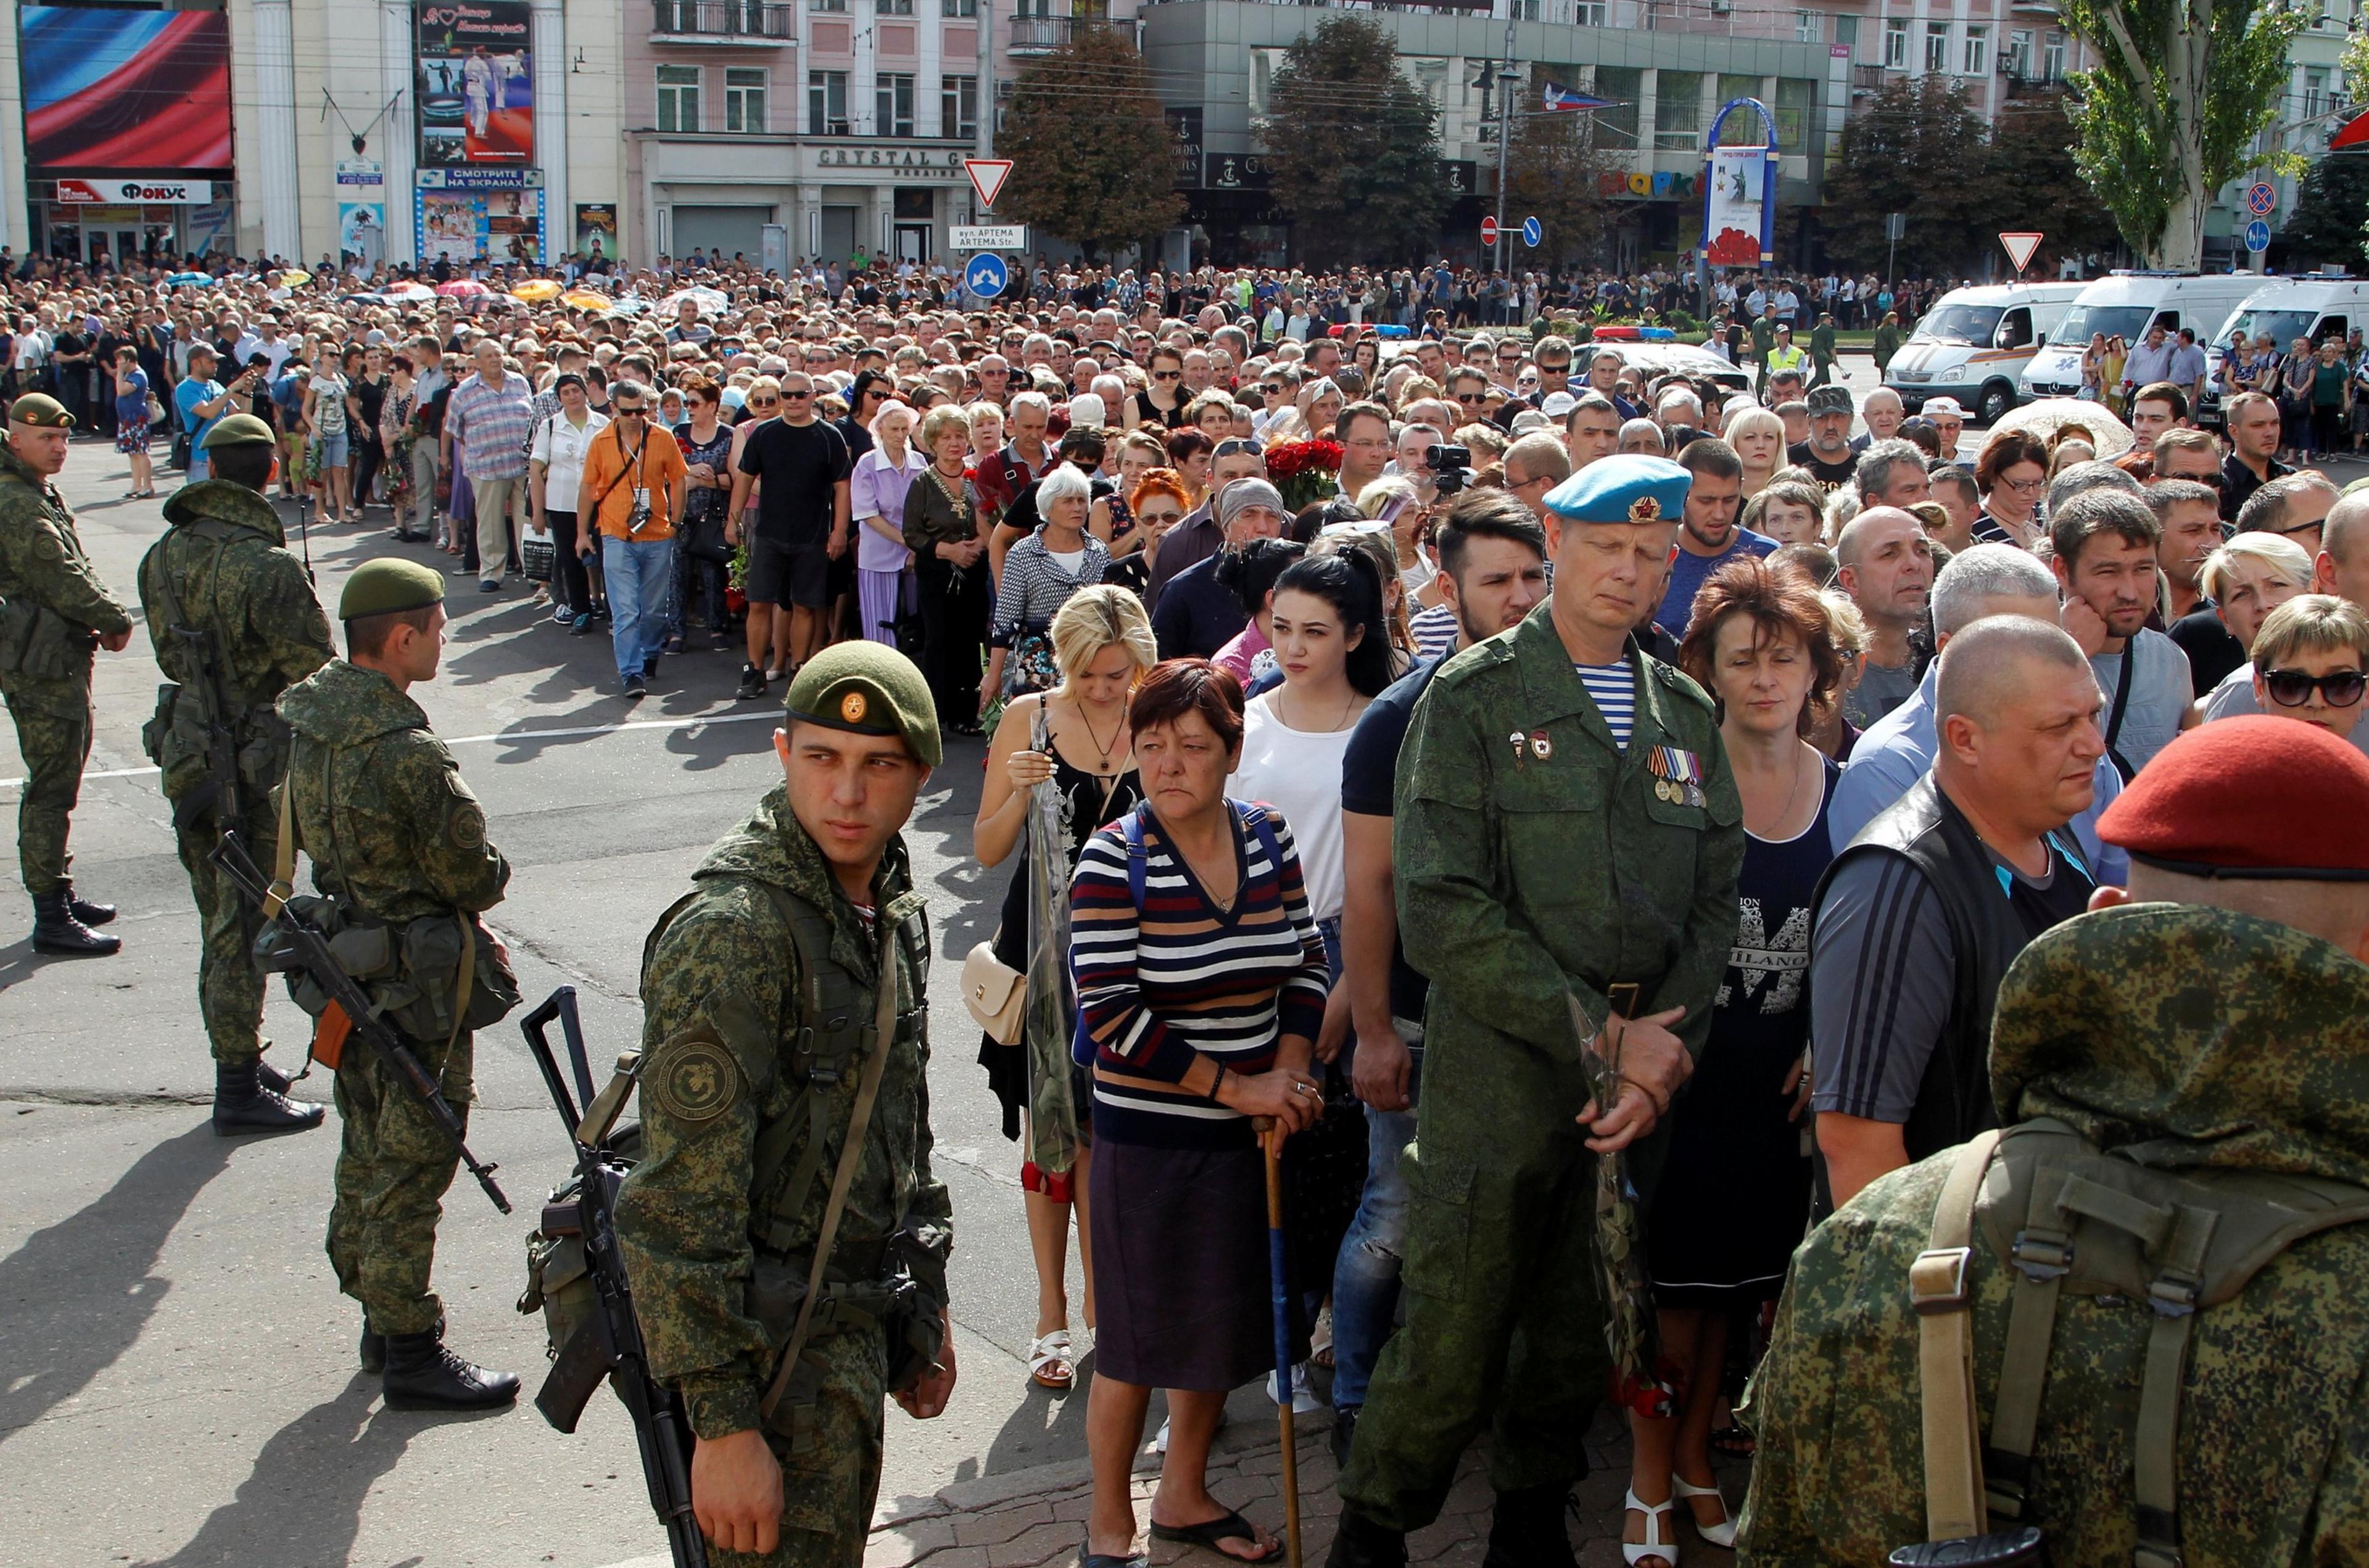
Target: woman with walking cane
pixel 1201 984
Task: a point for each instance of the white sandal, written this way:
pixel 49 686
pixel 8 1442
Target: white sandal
pixel 1720 1534
pixel 1049 1350
pixel 1655 1544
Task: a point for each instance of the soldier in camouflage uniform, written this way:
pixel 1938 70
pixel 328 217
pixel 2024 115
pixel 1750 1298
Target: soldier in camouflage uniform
pixel 2212 1023
pixel 761 991
pixel 397 838
pixel 1547 849
pixel 221 570
pixel 54 610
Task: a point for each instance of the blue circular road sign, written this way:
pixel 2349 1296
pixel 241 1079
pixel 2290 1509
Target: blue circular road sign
pixel 1532 233
pixel 2257 236
pixel 986 276
pixel 2261 200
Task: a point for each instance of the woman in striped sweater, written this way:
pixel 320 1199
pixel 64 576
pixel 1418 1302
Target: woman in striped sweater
pixel 1201 980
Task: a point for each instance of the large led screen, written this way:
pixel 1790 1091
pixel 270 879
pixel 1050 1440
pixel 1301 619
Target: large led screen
pixel 126 90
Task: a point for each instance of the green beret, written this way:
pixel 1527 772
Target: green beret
pixel 870 689
pixel 387 587
pixel 41 408
pixel 239 429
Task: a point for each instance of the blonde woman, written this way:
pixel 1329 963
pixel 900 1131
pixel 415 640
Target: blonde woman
pixel 1759 437
pixel 1846 629
pixel 986 425
pixel 1074 737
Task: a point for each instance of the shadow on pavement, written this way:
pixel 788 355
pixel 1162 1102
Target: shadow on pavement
pixel 77 1294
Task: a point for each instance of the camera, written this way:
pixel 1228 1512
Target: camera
pixel 1450 467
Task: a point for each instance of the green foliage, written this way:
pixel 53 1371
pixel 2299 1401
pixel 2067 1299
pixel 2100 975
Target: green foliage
pixel 2325 227
pixel 1356 149
pixel 1551 173
pixel 2165 119
pixel 1916 147
pixel 2030 182
pixel 1103 179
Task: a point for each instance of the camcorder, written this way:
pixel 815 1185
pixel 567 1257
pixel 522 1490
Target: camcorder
pixel 1450 467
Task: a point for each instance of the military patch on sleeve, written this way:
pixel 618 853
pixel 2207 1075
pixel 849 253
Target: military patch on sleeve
pixel 695 1080
pixel 48 546
pixel 466 826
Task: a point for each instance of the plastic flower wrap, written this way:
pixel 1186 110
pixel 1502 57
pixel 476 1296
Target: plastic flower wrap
pixel 1304 471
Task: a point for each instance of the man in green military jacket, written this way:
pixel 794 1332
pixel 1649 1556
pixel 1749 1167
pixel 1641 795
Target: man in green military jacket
pixel 222 571
pixel 1821 349
pixel 396 838
pixel 1567 829
pixel 764 1000
pixel 2211 1021
pixel 54 610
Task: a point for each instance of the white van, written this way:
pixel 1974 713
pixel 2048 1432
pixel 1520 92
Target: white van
pixel 1974 343
pixel 2124 304
pixel 2329 305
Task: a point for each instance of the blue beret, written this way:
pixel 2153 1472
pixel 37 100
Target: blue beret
pixel 1623 488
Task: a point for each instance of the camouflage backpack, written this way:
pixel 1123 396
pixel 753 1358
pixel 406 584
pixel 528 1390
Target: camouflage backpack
pixel 2046 1203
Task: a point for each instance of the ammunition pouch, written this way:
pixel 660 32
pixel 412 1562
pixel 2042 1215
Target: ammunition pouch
pixel 42 645
pixel 558 1272
pixel 872 1290
pixel 179 739
pixel 409 972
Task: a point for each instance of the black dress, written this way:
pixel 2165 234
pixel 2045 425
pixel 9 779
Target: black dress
pixel 1082 811
pixel 1734 1197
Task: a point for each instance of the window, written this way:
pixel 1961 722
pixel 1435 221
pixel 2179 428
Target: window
pixel 2052 58
pixel 1678 111
pixel 1524 10
pixel 1796 97
pixel 892 105
pixel 2315 92
pixel 958 107
pixel 961 7
pixel 1846 31
pixel 1588 13
pixel 1978 51
pixel 1895 43
pixel 744 99
pixel 826 5
pixel 1809 26
pixel 892 7
pixel 1624 84
pixel 827 103
pixel 679 97
pixel 1937 47
pixel 2019 54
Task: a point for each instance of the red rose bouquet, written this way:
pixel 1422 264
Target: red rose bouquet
pixel 1305 472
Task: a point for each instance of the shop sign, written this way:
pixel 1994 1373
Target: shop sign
pixel 139 192
pixel 897 163
pixel 479 179
pixel 360 171
pixel 1184 130
pixel 1656 185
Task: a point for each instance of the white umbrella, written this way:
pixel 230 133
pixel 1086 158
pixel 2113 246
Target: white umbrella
pixel 711 301
pixel 2046 419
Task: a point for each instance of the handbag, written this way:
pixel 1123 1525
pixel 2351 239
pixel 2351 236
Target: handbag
pixel 537 552
pixel 703 540
pixel 994 994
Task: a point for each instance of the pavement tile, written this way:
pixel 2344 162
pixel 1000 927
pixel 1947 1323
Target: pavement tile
pixel 994 1528
pixel 1040 1544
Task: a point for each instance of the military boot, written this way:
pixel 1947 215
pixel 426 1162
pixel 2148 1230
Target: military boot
pixel 422 1375
pixel 1361 1542
pixel 1526 1531
pixel 82 909
pixel 55 930
pixel 243 1104
pixel 374 1349
pixel 270 1077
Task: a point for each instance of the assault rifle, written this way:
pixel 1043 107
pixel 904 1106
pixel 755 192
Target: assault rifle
pixel 606 1344
pixel 311 950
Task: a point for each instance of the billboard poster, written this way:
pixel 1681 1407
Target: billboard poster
pixel 361 231
pixel 1739 192
pixel 132 90
pixel 476 84
pixel 461 225
pixel 596 231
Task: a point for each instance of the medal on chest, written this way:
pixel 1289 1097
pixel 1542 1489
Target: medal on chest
pixel 1677 775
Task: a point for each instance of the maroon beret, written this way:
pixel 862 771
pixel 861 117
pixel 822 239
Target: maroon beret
pixel 2251 796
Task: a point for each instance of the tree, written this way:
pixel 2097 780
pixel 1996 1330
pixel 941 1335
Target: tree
pixel 2030 181
pixel 2165 120
pixel 1916 148
pixel 2325 227
pixel 1553 172
pixel 1356 145
pixel 1104 179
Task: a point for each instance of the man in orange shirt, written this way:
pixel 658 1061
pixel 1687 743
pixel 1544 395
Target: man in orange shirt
pixel 634 478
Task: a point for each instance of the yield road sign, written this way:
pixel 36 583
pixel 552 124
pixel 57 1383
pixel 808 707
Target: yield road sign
pixel 2257 236
pixel 2261 198
pixel 2020 246
pixel 1532 233
pixel 987 178
pixel 1488 231
pixel 986 276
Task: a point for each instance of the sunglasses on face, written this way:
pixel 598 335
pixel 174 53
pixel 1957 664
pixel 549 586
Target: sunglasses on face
pixel 1154 519
pixel 764 402
pixel 2293 688
pixel 628 413
pixel 1168 375
pixel 1563 368
pixel 788 393
pixel 1270 391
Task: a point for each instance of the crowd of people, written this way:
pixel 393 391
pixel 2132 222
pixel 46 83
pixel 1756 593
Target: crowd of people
pixel 1200 571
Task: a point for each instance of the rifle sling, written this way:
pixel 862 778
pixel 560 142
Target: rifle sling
pixel 1940 1290
pixel 851 1155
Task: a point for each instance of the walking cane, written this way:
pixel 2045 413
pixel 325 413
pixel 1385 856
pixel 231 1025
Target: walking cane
pixel 1279 1289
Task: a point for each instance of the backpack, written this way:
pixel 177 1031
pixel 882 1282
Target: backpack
pixel 1081 1044
pixel 2065 1214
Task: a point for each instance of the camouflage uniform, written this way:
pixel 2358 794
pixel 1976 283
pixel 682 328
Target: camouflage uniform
pixel 721 987
pixel 1535 859
pixel 394 835
pixel 224 566
pixel 55 610
pixel 2188 1039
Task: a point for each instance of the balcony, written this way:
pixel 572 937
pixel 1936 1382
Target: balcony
pixel 1042 35
pixel 2020 85
pixel 1867 78
pixel 741 22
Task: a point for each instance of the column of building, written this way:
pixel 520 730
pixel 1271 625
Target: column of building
pixel 398 144
pixel 547 38
pixel 275 78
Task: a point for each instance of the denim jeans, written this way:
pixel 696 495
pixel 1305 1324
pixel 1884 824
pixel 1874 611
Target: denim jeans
pixel 640 574
pixel 1365 1273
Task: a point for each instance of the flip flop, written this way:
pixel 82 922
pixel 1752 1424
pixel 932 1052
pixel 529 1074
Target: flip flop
pixel 1232 1526
pixel 1089 1558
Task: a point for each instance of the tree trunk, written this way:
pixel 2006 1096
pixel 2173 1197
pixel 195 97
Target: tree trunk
pixel 2187 54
